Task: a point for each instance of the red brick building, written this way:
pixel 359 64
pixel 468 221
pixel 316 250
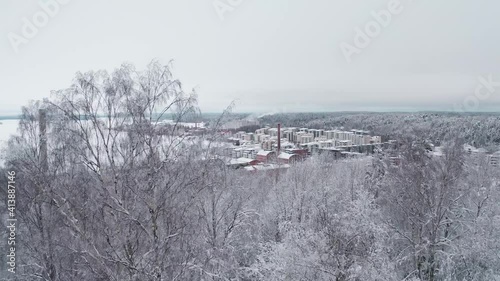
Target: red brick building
pixel 265 156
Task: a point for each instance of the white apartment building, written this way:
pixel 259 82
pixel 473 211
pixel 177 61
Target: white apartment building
pixel 340 143
pixel 330 134
pixel 288 134
pixel 249 137
pixel 306 138
pixel 273 132
pixel 267 145
pixel 494 159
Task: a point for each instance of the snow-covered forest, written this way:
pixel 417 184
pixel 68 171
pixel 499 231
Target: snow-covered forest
pixel 102 204
pixel 477 129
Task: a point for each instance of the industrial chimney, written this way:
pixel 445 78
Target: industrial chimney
pixel 43 139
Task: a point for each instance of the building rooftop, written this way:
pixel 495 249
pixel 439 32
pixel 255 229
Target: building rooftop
pixel 266 167
pixel 332 148
pixel 264 152
pixel 286 156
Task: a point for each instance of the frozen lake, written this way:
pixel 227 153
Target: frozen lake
pixel 7 128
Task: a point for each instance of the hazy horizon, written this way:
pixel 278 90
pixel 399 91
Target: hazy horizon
pixel 284 56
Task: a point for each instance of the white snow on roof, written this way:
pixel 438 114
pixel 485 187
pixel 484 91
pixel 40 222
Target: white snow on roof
pixel 285 155
pixel 266 167
pixel 241 160
pixel 263 152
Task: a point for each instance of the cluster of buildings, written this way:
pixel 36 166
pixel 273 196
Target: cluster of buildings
pixel 492 158
pixel 274 148
pixel 312 140
pixel 477 154
pixel 271 148
pixel 277 145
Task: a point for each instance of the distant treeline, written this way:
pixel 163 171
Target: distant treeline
pixel 478 129
pixel 10 117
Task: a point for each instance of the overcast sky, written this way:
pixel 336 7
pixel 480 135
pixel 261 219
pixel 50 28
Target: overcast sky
pixel 279 55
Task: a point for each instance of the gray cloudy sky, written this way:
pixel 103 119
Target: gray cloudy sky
pixel 279 55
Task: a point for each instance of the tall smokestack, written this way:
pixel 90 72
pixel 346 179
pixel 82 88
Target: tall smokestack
pixel 43 140
pixel 279 138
